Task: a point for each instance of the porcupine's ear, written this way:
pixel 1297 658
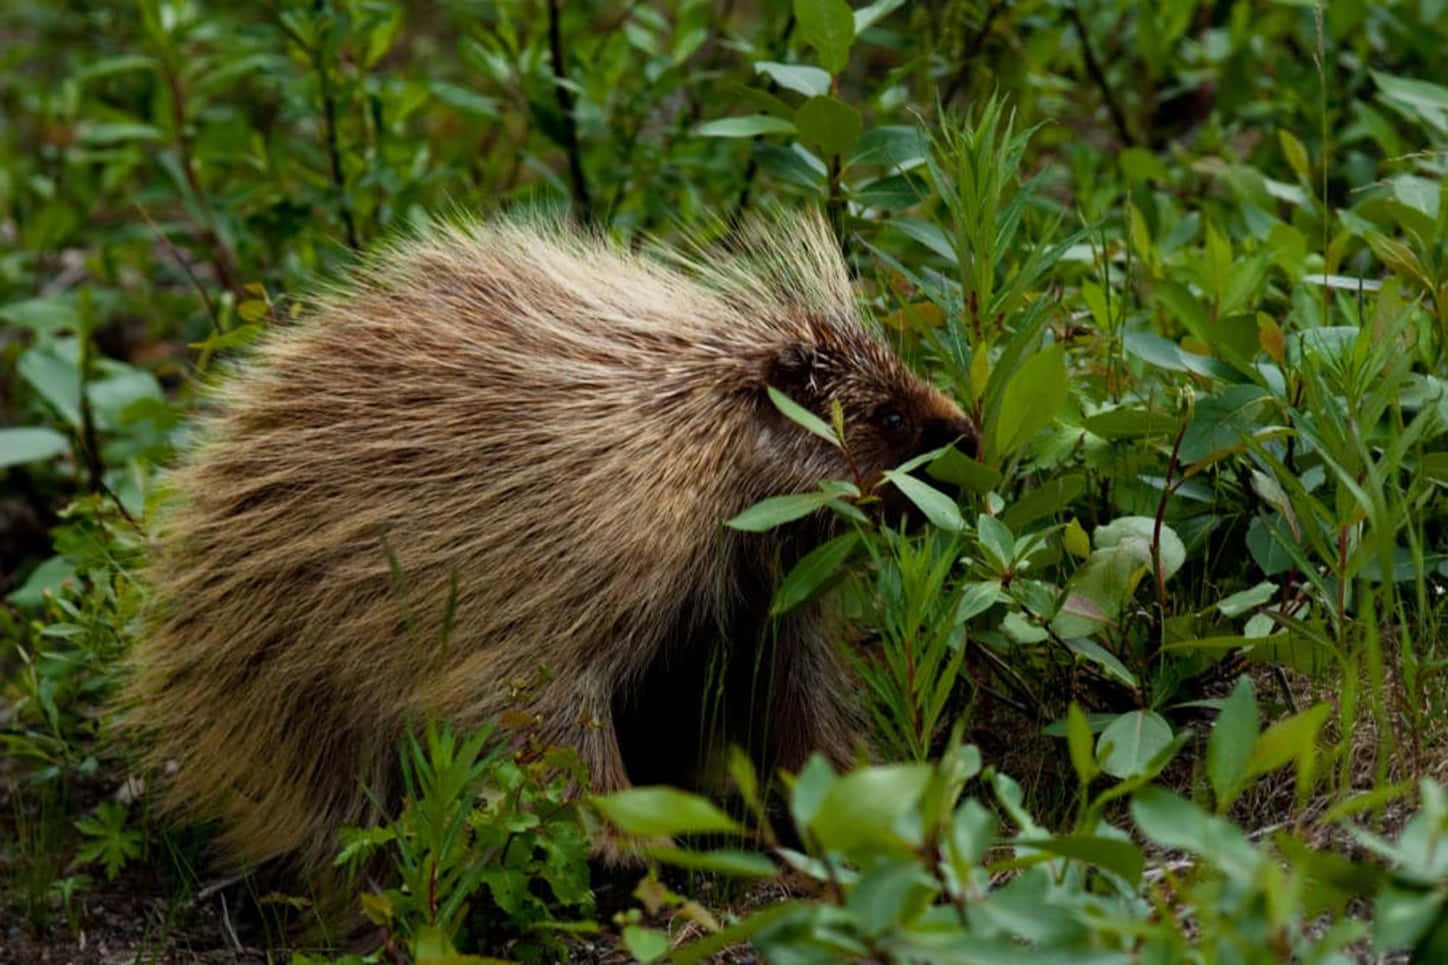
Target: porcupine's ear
pixel 791 370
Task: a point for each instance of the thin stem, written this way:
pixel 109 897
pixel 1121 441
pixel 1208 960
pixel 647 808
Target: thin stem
pixel 1098 76
pixel 581 198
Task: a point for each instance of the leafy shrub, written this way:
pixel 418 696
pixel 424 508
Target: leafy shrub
pixel 908 868
pixel 1185 265
pixel 486 852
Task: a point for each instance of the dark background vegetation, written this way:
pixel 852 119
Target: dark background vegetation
pixel 1185 264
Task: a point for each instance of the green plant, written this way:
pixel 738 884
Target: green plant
pixel 1212 418
pixel 486 851
pixel 910 868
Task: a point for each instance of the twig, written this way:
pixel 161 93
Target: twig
pixel 752 168
pixel 329 120
pixel 334 153
pixel 185 267
pixel 1093 67
pixel 972 50
pixel 90 441
pixel 581 197
pixel 222 260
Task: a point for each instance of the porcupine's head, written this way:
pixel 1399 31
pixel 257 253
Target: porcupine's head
pixel 819 352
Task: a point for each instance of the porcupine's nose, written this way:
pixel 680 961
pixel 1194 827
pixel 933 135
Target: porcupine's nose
pixel 950 429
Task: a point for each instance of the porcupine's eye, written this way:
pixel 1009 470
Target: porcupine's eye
pixel 890 421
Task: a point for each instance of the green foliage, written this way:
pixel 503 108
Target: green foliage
pixel 486 852
pixel 1184 265
pixel 911 868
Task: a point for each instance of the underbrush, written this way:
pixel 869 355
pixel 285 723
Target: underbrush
pixel 1160 674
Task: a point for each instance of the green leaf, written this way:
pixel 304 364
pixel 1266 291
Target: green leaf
pixel 829 27
pixel 750 125
pixel 1078 741
pixel 645 944
pixel 800 78
pixel 1402 916
pixel 892 192
pixel 727 861
pixel 1050 497
pixel 1173 822
pixel 939 508
pixel 871 14
pixel 812 572
pixel 1295 153
pixel 49 576
pixel 1290 739
pixel 96 135
pixel 1247 600
pixel 1139 165
pixel 30 444
pixel 661 812
pixel 891 145
pixel 777 510
pixel 1130 742
pixel 1032 398
pixel 811 785
pixel 972 831
pixel 1428 100
pixel 828 124
pixel 1137 533
pixel 1223 422
pixel 976 599
pixel 801 416
pixel 1229 746
pixel 1113 854
pixel 1109 663
pixel 891 895
pixel 43 315
pixel 54 377
pixel 996 540
pixel 864 808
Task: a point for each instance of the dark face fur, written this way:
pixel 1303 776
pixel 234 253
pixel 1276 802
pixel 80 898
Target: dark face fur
pixel 890 414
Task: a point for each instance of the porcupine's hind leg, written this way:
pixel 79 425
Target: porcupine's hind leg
pixel 814 702
pixel 583 719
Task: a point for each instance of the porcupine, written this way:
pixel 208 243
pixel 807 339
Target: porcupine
pixel 544 433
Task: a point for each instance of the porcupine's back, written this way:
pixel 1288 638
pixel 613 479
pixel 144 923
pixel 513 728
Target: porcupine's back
pixel 554 424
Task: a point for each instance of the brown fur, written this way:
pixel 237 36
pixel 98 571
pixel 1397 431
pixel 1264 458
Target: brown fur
pixel 558 426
